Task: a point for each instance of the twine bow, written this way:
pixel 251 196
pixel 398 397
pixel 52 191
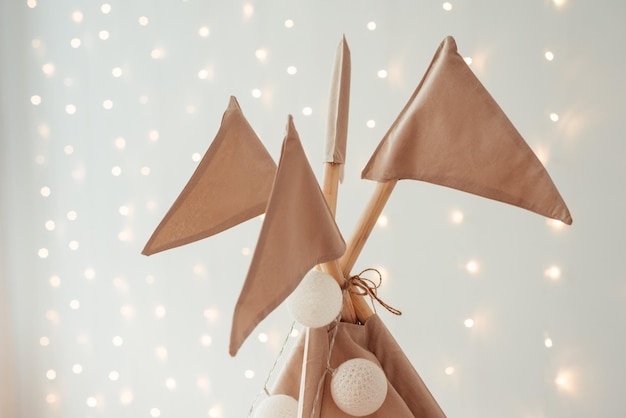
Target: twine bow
pixel 364 286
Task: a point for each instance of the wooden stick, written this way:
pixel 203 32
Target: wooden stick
pixel 330 188
pixel 365 225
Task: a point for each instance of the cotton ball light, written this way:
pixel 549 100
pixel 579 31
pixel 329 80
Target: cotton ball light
pixel 317 300
pixel 277 406
pixel 359 387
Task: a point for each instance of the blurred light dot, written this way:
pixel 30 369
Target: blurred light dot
pixel 559 3
pixel 449 370
pixel 160 312
pixel 126 397
pixel 150 279
pixel 77 368
pixel 68 150
pixel 50 225
pixel 289 23
pixel 549 55
pixel 249 374
pixel 52 316
pixel 31 3
pixel 245 251
pixel 447 6
pixel 548 342
pixel 89 273
pixel 555 224
pixel 263 337
pixel 143 21
pixel 44 341
pixel 170 383
pixel 472 266
pixel 256 93
pixel 457 216
pixel 77 16
pixel 72 215
pixel 143 99
pixel 44 130
pixel 92 402
pixel 371 25
pixel 211 314
pixel 116 171
pixel 563 380
pixel 248 10
pixel 107 104
pixel 203 384
pixel 206 340
pixel 261 54
pixel 48 68
pixel 370 123
pixel 294 333
pixel 382 221
pixel 70 109
pixel 75 42
pixel 382 73
pixel 291 70
pixel 203 74
pixel 554 117
pixel 153 135
pixel 156 53
pixel 469 323
pixel 55 281
pixel 468 60
pixel 155 412
pixel 124 236
pixel 118 341
pixel 127 311
pixel 120 143
pixel 43 253
pixel 82 339
pixel 35 43
pixel 45 191
pixel 114 375
pixel 104 35
pixel 124 210
pixel 73 245
pixel 51 374
pixel 145 171
pixel 553 273
pixel 51 398
pixel 116 72
pixel 199 269
pixel 40 159
pixel 75 304
pixel 307 111
pixel 161 353
pixel 35 99
pixel 204 31
pixel 196 157
pixel 105 8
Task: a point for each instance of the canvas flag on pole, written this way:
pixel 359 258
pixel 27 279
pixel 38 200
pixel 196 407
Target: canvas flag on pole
pixel 231 185
pixel 298 232
pixel 453 133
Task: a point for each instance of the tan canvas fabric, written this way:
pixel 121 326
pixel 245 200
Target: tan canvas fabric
pixel 231 185
pixel 453 133
pixel 407 395
pixel 338 107
pixel 298 232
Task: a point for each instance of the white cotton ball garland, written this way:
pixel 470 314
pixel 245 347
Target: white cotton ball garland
pixel 277 406
pixel 317 300
pixel 359 387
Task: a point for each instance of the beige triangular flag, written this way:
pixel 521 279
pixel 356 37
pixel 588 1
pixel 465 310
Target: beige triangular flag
pixel 338 107
pixel 298 232
pixel 231 185
pixel 453 133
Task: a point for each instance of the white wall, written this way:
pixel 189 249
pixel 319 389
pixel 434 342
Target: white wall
pixel 172 311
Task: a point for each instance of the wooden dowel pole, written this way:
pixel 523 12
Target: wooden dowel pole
pixel 365 225
pixel 330 188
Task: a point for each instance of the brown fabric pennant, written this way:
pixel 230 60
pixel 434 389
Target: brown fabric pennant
pixel 407 395
pixel 339 105
pixel 298 232
pixel 231 184
pixel 453 133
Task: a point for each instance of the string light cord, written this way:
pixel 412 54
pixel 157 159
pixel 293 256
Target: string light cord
pixel 265 391
pixel 363 286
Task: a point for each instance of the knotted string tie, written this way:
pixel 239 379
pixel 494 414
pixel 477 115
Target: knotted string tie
pixel 363 286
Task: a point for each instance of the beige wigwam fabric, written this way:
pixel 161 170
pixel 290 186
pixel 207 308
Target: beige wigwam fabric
pixel 231 185
pixel 407 395
pixel 453 133
pixel 298 233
